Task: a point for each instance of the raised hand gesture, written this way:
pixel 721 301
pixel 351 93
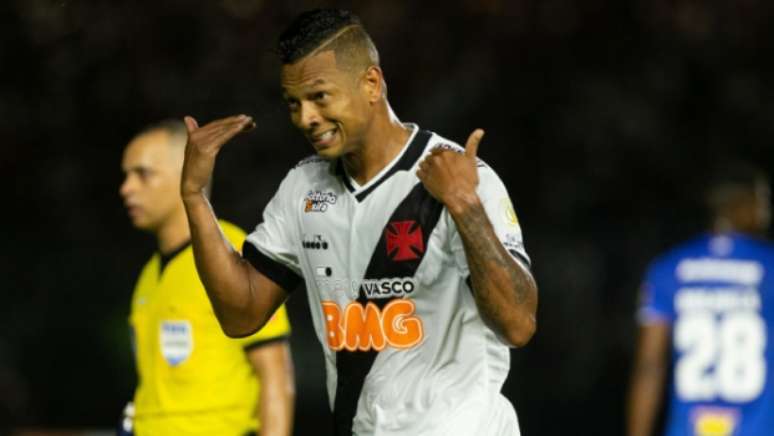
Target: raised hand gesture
pixel 203 146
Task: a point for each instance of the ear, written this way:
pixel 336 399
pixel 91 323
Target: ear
pixel 373 84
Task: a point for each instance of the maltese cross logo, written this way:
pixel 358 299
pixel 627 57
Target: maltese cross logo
pixel 404 240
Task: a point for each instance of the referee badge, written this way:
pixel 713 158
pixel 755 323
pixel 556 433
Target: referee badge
pixel 176 339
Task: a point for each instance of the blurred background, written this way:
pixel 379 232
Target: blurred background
pixel 601 117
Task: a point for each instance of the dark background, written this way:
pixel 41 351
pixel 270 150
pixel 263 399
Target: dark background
pixel 601 118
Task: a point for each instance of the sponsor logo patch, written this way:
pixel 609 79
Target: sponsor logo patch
pixel 404 240
pixel 366 327
pixel 743 272
pixel 388 288
pixel 508 213
pixel 314 242
pixel 714 421
pixel 323 271
pixel 318 201
pixel 391 287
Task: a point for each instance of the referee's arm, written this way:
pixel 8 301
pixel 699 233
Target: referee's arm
pixel 274 368
pixel 243 299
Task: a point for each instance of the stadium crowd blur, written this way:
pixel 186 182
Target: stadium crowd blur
pixel 601 118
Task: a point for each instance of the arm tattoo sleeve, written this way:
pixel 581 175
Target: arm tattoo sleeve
pixel 498 281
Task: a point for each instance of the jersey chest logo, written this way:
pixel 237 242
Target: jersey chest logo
pixel 404 240
pixel 318 201
pixel 366 327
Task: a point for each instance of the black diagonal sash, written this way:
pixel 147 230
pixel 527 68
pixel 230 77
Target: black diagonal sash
pixel 352 367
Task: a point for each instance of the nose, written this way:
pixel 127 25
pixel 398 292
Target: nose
pixel 309 116
pixel 126 187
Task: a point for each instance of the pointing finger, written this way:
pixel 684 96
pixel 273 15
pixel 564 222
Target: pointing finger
pixel 471 147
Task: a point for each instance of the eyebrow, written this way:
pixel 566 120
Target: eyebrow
pixel 137 168
pixel 315 83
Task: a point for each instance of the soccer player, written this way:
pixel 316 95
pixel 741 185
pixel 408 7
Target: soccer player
pixel 193 379
pixel 707 314
pixel 408 245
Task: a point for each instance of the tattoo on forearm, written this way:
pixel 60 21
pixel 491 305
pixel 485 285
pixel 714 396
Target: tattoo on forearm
pixel 491 267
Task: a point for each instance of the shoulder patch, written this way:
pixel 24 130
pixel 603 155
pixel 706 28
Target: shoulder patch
pixel 310 160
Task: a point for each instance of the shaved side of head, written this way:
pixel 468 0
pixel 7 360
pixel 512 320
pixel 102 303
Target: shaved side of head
pixel 178 133
pixel 175 138
pixel 354 50
pixel 329 29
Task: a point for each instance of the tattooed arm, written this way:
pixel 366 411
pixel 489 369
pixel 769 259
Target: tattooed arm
pixel 504 290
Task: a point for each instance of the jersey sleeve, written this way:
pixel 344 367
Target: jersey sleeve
pixel 656 291
pixel 278 328
pixel 271 248
pixel 499 210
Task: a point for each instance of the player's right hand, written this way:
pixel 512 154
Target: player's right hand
pixel 203 146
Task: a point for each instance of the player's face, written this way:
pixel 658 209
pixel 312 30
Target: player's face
pixel 329 105
pixel 151 187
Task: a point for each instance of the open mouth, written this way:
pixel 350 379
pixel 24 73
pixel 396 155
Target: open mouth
pixel 324 139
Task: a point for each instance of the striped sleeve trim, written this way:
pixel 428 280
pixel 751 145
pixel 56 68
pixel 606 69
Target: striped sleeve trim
pixel 280 274
pixel 524 260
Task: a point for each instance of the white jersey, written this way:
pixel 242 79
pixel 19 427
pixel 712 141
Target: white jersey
pixel 406 350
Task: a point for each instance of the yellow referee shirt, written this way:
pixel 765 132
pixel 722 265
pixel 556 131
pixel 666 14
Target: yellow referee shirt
pixel 193 379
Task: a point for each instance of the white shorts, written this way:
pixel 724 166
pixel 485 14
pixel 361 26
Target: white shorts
pixel 490 416
pixel 496 418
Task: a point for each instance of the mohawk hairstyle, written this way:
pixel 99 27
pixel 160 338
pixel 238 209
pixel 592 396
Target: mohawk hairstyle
pixel 312 29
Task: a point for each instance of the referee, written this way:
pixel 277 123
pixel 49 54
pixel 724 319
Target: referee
pixel 193 379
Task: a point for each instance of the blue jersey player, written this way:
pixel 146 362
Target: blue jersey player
pixel 707 318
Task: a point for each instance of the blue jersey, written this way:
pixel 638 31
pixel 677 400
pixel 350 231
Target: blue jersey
pixel 717 293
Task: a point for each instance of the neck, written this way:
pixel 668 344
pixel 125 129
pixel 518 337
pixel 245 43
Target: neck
pixel 383 141
pixel 173 233
pixel 725 225
pixel 722 224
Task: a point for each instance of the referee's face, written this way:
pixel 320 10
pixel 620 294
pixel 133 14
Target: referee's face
pixel 327 103
pixel 152 168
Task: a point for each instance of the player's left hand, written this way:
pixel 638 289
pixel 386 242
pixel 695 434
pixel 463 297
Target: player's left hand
pixel 452 177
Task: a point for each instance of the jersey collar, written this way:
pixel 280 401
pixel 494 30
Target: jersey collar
pixel 403 162
pixel 164 259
